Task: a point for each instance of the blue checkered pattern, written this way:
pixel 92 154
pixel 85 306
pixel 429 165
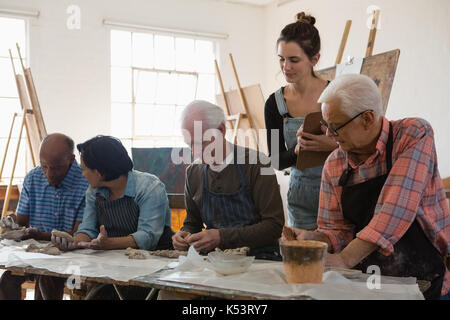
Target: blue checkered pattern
pixel 51 208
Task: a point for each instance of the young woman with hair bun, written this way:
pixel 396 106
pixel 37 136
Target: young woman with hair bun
pixel 298 48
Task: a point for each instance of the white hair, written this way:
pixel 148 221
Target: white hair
pixel 211 115
pixel 355 93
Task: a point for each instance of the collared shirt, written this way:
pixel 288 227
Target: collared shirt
pixel 265 195
pixel 50 207
pixel 413 190
pixel 150 195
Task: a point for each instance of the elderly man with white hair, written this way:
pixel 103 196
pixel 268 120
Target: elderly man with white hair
pixel 382 201
pixel 230 190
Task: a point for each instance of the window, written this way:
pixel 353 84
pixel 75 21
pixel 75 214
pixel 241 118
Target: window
pixel 153 77
pixel 12 31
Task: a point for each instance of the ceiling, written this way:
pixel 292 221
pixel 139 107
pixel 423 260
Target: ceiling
pixel 257 3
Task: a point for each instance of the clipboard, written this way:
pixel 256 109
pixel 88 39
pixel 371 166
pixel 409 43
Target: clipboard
pixel 311 159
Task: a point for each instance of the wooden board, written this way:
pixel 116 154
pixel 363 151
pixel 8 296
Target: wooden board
pixel 30 120
pixel 255 105
pixel 381 68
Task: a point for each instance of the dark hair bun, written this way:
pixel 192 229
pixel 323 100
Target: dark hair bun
pixel 302 17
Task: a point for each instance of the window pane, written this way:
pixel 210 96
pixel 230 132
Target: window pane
pixel 177 129
pixel 143 50
pixel 121 84
pixel 147 143
pixel 206 87
pixel 166 88
pixel 120 48
pixel 164 53
pixel 121 120
pixel 143 120
pixel 12 31
pixel 186 89
pixel 185 57
pixel 21 158
pixel 204 54
pixel 163 120
pixel 127 143
pixel 8 107
pixel 145 86
pixel 8 86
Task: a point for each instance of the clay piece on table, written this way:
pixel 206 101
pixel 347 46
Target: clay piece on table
pixel 62 234
pixel 168 253
pixel 239 251
pixel 135 254
pixel 51 250
pixel 13 234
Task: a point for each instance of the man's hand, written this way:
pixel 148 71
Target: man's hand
pixel 301 234
pixel 335 260
pixel 8 222
pixel 205 241
pixel 179 240
pixel 64 244
pixel 99 243
pixel 32 233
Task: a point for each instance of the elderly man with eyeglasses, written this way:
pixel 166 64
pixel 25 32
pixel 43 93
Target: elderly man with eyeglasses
pixel 382 200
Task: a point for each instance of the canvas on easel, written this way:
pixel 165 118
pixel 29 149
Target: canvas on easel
pixel 244 110
pixel 32 121
pixel 381 68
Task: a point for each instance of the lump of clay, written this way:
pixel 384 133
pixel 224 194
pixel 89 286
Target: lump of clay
pixel 51 250
pixel 62 234
pixel 239 251
pixel 168 253
pixel 135 254
pixel 12 234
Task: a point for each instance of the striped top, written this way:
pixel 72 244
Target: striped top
pixel 412 191
pixel 49 207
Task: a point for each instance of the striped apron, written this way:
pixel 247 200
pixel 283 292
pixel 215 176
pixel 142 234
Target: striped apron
pixel 230 210
pixel 121 216
pixel 234 210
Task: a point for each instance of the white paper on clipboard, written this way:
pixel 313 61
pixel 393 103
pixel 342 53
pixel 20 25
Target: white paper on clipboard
pixel 352 66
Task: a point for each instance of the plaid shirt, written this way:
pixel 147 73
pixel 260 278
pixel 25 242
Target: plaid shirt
pixel 413 190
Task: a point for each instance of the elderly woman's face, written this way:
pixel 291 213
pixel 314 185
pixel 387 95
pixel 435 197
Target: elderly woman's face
pixel 353 137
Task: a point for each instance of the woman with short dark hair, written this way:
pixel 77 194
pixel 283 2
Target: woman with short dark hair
pixel 124 207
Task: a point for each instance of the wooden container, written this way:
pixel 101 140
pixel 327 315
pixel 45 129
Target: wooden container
pixel 303 260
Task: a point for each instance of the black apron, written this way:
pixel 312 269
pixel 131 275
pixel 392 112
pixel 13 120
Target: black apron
pixel 414 255
pixel 121 216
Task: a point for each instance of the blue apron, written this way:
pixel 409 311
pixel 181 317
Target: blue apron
pixel 228 210
pixel 304 185
pixel 233 210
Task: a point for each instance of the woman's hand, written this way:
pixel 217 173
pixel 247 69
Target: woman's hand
pixel 99 243
pixel 314 142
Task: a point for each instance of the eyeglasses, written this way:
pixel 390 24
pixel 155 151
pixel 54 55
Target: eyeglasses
pixel 334 131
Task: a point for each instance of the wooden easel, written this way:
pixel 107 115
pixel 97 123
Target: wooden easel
pixel 32 120
pixel 235 119
pixel 381 67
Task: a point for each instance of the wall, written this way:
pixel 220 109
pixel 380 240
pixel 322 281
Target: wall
pixel 71 67
pixel 420 29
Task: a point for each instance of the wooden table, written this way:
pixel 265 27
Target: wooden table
pixel 195 290
pixel 154 282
